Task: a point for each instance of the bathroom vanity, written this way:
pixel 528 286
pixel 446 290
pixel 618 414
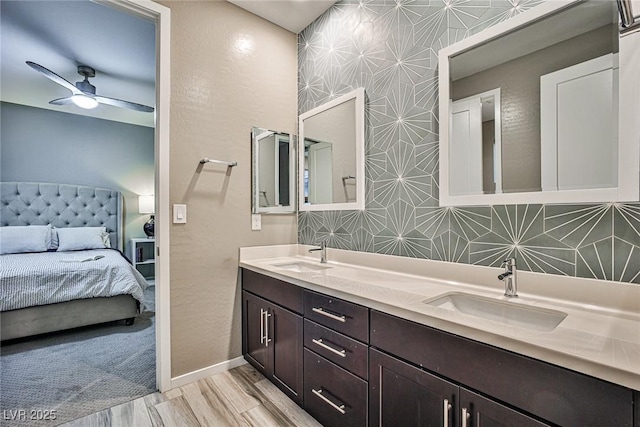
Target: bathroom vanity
pixel 358 345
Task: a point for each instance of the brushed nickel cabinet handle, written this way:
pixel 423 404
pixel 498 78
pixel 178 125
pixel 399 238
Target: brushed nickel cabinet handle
pixel 339 408
pixel 319 342
pixel 465 417
pixel 267 340
pixel 320 310
pixel 447 410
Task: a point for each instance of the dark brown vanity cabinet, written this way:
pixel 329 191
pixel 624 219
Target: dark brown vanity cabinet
pixel 336 333
pixel 496 387
pixel 272 334
pixel 403 394
pixel 349 365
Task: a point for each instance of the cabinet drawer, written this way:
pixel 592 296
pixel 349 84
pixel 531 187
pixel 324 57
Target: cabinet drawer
pixel 332 395
pixel 556 394
pixel 340 349
pixel 342 316
pixel 283 293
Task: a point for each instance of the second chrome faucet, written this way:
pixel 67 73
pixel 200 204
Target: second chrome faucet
pixel 323 252
pixel 510 277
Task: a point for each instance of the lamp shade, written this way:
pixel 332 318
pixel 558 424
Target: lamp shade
pixel 146 204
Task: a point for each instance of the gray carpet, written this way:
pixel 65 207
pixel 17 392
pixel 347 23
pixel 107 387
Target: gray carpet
pixel 78 372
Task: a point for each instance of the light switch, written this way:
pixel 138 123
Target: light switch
pixel 179 214
pixel 256 222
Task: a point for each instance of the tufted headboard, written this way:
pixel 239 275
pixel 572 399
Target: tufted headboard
pixel 62 205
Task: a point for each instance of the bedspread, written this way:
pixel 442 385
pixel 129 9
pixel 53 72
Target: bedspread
pixel 51 277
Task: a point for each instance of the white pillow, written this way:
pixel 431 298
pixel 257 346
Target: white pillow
pixel 24 238
pixel 77 238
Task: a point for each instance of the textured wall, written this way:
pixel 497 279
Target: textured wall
pixel 390 49
pixel 230 70
pixel 44 145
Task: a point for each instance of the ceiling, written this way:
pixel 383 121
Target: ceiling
pixel 292 15
pixel 60 35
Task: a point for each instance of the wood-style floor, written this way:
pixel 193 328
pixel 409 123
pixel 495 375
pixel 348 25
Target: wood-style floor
pixel 239 397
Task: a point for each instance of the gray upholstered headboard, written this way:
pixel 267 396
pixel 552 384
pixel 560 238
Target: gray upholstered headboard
pixel 62 205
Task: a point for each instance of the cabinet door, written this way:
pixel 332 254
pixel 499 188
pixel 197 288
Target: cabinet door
pixel 285 332
pixel 253 328
pixel 478 411
pixel 403 395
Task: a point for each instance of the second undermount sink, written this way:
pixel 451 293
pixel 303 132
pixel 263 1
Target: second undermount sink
pixel 503 311
pixel 301 266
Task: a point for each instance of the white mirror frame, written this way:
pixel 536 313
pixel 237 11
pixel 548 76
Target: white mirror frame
pixel 628 124
pixel 358 95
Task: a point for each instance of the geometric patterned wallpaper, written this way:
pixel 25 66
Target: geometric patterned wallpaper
pixel 391 49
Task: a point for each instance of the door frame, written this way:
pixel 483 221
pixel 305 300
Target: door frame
pixel 161 16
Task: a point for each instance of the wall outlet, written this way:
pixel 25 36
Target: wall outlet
pixel 179 214
pixel 256 222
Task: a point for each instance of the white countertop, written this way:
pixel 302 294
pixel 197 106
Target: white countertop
pixel 599 337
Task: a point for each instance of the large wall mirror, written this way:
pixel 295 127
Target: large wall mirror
pixel 539 109
pixel 273 171
pixel 331 155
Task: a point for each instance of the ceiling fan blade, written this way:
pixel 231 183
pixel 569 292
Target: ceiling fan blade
pixel 62 101
pixel 124 104
pixel 53 76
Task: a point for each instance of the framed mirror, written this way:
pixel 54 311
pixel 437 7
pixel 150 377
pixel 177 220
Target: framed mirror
pixel 273 172
pixel 539 109
pixel 331 155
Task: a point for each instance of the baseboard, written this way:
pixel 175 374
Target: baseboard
pixel 190 377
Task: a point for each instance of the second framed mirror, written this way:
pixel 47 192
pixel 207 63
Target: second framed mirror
pixel 331 155
pixel 273 172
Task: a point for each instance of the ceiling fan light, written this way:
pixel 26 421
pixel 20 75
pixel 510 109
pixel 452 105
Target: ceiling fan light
pixel 84 101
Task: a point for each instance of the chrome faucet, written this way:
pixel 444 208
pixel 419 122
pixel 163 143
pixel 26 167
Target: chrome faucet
pixel 323 252
pixel 510 278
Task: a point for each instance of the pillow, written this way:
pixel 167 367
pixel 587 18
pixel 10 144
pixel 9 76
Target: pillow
pixel 24 238
pixel 77 238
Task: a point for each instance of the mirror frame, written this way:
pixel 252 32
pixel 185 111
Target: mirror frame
pixel 359 204
pixel 629 126
pixel 255 178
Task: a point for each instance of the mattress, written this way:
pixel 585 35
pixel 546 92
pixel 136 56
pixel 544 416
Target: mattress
pixel 34 279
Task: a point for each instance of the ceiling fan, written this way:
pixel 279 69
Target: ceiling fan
pixel 83 94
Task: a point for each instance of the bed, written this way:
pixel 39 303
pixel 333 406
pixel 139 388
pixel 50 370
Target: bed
pixel 77 280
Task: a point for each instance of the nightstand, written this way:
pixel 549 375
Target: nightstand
pixel 142 255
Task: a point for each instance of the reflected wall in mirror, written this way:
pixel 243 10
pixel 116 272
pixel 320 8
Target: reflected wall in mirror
pixel 273 171
pixel 331 161
pixel 555 77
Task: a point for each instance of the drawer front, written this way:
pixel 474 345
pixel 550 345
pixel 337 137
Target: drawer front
pixel 340 349
pixel 556 394
pixel 332 395
pixel 282 293
pixel 342 316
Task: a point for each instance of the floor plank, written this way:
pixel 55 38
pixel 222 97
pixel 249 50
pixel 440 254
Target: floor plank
pixel 173 393
pixel 177 413
pixel 207 415
pixel 98 419
pixel 225 385
pixel 296 415
pixel 132 413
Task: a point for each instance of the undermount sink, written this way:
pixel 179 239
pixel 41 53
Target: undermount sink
pixel 301 267
pixel 503 311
